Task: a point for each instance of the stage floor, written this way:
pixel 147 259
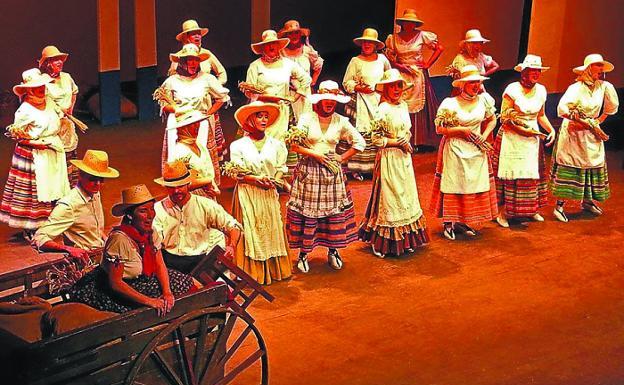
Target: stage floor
pixel 540 304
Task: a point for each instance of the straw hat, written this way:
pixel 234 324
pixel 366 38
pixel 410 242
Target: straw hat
pixel 409 15
pixel 391 76
pixel 187 118
pixel 593 59
pixel 369 34
pixel 269 36
pixel 95 162
pixel 174 174
pixel 243 113
pixel 292 26
pixel 189 50
pixel 469 73
pixel 51 51
pixel 132 196
pixel 531 61
pixel 31 78
pixel 474 36
pixel 329 90
pixel 190 26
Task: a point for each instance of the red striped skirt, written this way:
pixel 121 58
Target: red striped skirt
pixel 219 137
pixel 464 208
pixel 335 231
pixel 20 207
pixel 521 197
pixel 72 171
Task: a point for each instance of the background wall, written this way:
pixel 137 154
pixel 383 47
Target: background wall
pixel 499 21
pixel 563 32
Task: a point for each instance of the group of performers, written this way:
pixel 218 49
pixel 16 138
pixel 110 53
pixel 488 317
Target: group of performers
pixel 391 109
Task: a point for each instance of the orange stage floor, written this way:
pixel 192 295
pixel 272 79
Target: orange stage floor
pixel 532 305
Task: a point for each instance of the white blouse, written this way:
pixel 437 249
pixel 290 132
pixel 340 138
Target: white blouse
pixel 202 164
pixel 270 160
pixel 339 129
pixel 196 93
pixel 576 147
pixel 62 89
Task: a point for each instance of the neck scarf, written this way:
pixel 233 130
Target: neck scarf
pixel 587 78
pixel 35 101
pixel 185 137
pixel 147 250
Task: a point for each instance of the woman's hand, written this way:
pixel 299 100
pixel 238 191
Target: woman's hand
pixel 169 301
pixel 404 144
pixel 550 139
pixel 363 89
pixel 159 305
pixel 264 182
pixel 77 253
pixel 323 159
pixel 36 146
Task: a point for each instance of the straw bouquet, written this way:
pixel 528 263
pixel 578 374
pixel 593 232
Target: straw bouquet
pixel 236 171
pixel 578 113
pixel 446 118
pixel 163 96
pixel 247 87
pixel 63 276
pixel 299 137
pixel 16 132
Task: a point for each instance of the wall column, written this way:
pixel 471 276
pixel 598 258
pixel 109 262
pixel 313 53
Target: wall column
pixel 260 18
pixel 145 56
pixel 108 63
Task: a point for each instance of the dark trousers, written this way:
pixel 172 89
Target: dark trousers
pixel 181 263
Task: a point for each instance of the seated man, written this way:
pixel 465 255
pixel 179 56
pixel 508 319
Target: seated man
pixel 78 216
pixel 185 223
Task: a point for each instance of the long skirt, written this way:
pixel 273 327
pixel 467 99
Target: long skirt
pixel 363 162
pixel 219 137
pixel 385 239
pixel 521 198
pixel 465 208
pixel 93 289
pixel 262 253
pixel 320 210
pixel 20 207
pixel 424 132
pixel 580 183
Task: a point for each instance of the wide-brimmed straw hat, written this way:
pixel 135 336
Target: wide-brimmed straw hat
pixel 292 26
pixel 31 78
pixel 175 174
pixel 531 61
pixel 593 59
pixel 474 36
pixel 409 15
pixel 132 196
pixel 50 52
pixel 243 113
pixel 468 73
pixel 190 26
pixel 369 34
pixel 329 90
pixel 189 50
pixel 269 36
pixel 95 162
pixel 187 118
pixel 391 76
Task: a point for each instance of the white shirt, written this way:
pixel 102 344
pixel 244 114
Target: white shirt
pixel 339 129
pixel 270 160
pixel 186 231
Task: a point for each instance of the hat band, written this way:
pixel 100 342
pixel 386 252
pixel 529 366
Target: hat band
pixel 471 73
pixel 333 92
pixel 178 178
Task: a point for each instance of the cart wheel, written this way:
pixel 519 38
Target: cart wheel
pixel 239 347
pixel 204 347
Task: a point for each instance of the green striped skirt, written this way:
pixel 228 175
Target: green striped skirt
pixel 579 183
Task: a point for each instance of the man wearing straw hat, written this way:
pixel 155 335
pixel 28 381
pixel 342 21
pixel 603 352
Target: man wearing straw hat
pixel 189 225
pixel 78 216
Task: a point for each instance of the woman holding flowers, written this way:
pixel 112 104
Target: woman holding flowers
pixel 363 72
pixel 320 209
pixel 463 189
pixel 579 169
pixel 518 157
pixel 394 222
pixel 257 163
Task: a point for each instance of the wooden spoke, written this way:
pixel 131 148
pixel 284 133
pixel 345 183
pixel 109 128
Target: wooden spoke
pixel 187 367
pixel 162 364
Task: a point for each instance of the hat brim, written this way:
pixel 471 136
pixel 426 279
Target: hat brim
pixel 359 40
pixel 315 98
pixel 380 85
pixel 202 56
pixel 62 55
pixel 187 122
pixel 520 68
pixel 174 183
pixel 418 22
pixel 109 173
pixel 608 67
pixel 180 36
pixel 283 32
pixel 20 89
pixel 257 47
pixel 119 209
pixel 458 82
pixel 476 40
pixel 243 113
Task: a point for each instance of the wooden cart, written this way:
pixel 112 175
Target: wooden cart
pixel 207 338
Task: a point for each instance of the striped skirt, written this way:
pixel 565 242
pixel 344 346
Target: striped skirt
pixel 219 137
pixel 72 171
pixel 390 240
pixel 320 209
pixel 20 207
pixel 580 184
pixel 363 162
pixel 424 131
pixel 521 198
pixel 465 208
